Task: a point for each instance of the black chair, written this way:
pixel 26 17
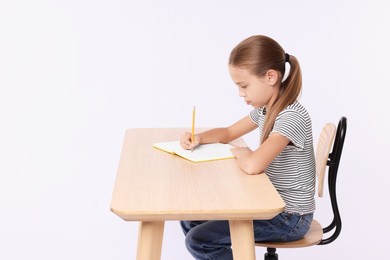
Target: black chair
pixel 324 159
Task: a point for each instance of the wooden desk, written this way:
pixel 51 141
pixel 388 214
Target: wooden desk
pixel 153 186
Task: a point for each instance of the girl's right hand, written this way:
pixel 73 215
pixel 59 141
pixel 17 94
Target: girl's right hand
pixel 185 141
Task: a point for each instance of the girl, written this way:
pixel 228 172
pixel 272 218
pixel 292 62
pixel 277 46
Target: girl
pixel 285 153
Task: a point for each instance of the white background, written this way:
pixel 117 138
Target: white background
pixel 75 74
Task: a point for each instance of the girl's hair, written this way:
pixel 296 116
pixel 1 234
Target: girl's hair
pixel 258 54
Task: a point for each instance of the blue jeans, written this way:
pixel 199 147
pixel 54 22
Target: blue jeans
pixel 208 240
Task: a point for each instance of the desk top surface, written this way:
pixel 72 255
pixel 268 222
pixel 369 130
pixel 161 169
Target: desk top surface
pixel 155 185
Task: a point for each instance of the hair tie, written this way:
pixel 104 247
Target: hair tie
pixel 287 57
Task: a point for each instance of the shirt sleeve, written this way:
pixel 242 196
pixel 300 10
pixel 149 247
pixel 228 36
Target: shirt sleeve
pixel 291 124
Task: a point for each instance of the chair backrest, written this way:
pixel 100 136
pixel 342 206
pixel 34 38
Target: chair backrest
pixel 324 145
pixel 332 162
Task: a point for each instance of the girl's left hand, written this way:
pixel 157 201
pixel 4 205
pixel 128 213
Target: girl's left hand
pixel 239 152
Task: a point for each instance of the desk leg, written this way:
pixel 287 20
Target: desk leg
pixel 150 237
pixel 243 242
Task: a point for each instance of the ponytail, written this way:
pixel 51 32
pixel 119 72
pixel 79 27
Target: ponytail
pixel 289 92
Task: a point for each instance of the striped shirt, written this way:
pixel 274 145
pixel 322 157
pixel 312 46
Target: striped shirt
pixel 292 172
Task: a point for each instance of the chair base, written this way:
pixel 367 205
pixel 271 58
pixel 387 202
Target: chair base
pixel 271 254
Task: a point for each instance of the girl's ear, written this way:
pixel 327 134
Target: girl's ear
pixel 272 77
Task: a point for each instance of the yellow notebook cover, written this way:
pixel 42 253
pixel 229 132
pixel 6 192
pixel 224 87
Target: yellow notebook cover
pixel 201 153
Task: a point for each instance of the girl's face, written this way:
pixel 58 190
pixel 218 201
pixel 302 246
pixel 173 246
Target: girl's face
pixel 256 91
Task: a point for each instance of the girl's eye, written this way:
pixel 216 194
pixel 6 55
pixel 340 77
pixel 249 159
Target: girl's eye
pixel 244 86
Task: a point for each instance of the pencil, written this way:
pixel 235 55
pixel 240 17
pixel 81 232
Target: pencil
pixel 193 127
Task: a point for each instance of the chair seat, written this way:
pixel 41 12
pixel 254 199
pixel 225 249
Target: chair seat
pixel 312 237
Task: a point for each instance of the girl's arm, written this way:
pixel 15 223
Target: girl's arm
pixel 219 135
pixel 254 162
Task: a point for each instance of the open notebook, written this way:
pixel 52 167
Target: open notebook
pixel 201 153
